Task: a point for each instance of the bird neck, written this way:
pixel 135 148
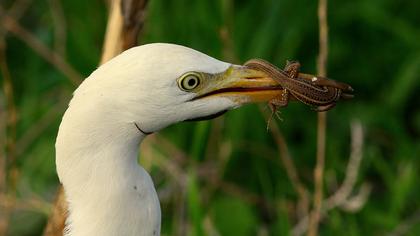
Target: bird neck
pixel 108 193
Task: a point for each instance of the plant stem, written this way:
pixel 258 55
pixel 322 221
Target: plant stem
pixel 322 122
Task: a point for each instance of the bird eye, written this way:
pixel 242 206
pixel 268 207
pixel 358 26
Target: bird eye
pixel 189 81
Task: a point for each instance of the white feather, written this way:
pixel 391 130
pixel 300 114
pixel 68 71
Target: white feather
pixel 97 144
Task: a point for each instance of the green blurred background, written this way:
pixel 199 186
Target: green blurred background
pixel 226 177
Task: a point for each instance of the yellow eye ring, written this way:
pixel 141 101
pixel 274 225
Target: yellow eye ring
pixel 189 81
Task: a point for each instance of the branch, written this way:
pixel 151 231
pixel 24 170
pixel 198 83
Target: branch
pixel 8 161
pixel 32 204
pixel 52 57
pixel 352 167
pixel 404 227
pixel 126 19
pixel 37 128
pixel 322 122
pixel 342 197
pixel 60 26
pixel 289 166
pixel 8 154
pixel 173 167
pixel 18 9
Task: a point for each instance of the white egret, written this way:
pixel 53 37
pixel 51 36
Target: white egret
pixel 138 92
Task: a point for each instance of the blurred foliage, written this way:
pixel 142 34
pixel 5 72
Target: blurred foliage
pixel 373 45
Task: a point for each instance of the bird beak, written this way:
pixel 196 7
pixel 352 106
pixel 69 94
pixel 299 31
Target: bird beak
pixel 242 85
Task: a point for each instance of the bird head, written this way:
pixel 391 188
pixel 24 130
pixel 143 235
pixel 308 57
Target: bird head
pixel 156 85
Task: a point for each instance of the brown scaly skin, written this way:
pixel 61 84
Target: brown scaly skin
pixel 318 92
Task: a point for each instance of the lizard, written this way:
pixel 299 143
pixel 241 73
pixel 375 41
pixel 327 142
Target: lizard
pixel 318 92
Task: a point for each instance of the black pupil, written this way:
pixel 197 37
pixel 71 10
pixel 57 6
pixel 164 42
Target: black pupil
pixel 191 82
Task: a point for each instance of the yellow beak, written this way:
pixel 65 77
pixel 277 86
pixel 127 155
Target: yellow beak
pixel 243 85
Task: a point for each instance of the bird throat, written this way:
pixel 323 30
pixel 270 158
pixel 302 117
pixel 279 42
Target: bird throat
pixel 141 130
pixel 209 117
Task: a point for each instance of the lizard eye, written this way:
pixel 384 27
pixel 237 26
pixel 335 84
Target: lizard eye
pixel 189 81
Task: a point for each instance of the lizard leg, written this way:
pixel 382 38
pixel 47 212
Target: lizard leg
pixel 280 101
pixel 292 68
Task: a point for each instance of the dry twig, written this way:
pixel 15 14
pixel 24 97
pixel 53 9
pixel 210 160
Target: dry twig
pixel 342 197
pixel 322 122
pixel 174 168
pixel 289 166
pixel 60 26
pixel 33 203
pixel 8 154
pixel 126 20
pixel 2 162
pixel 18 9
pixel 38 127
pixel 404 227
pixel 11 25
pixel 8 161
